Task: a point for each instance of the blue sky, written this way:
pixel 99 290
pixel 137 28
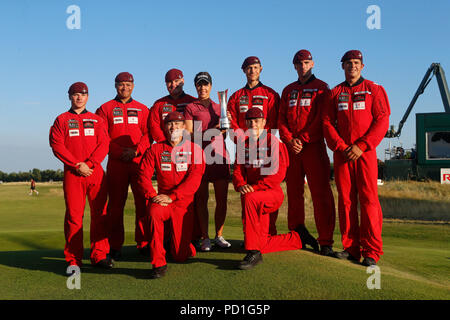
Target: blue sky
pixel 41 57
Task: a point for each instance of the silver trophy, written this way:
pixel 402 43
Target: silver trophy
pixel 224 123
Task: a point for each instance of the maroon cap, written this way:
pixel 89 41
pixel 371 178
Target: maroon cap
pixel 302 55
pixel 174 116
pixel 352 54
pixel 124 77
pixel 173 74
pixel 249 61
pixel 253 113
pixel 78 87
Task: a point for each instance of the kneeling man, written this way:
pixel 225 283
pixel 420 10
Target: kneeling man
pixel 257 176
pixel 179 167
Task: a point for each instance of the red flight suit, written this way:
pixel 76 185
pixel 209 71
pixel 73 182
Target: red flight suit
pixel 127 127
pixel 301 117
pixel 161 108
pixel 263 97
pixel 78 138
pixel 179 172
pixel 358 114
pixel 264 174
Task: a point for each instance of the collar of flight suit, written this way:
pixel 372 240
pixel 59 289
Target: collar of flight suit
pixel 73 112
pixel 360 80
pixel 310 79
pixel 257 86
pixel 118 100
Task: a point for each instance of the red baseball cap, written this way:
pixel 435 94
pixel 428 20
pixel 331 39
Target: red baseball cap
pixel 124 77
pixel 352 54
pixel 78 87
pixel 254 113
pixel 173 74
pixel 302 55
pixel 174 116
pixel 249 61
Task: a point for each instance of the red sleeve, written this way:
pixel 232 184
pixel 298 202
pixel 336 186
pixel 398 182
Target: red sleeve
pixel 275 174
pixel 239 178
pixel 329 118
pixel 285 133
pixel 57 138
pixel 313 131
pixel 102 148
pixel 380 124
pixel 188 112
pixel 146 138
pixel 273 109
pixel 145 174
pixel 155 123
pixel 115 150
pixel 232 107
pixel 193 178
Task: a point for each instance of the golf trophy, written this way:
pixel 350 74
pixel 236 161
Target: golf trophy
pixel 224 123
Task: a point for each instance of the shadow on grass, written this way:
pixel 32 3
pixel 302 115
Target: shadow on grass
pixel 52 260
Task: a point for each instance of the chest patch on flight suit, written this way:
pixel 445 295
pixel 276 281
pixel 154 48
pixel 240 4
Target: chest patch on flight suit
pixel 132 116
pixel 72 124
pixel 167 108
pixel 74 133
pixel 88 125
pixel 344 97
pixel 117 115
pixel 359 102
pixel 166 161
pixel 293 96
pixel 342 106
pixel 258 102
pixel 305 101
pixel 243 104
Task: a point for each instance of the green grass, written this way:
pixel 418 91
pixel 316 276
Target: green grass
pixel 415 264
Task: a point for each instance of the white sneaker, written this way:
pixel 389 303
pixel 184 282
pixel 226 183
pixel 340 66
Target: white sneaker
pixel 206 245
pixel 221 242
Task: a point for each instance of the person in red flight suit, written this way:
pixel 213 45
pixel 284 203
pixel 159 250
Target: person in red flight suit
pixel 202 119
pixel 179 166
pixel 177 100
pixel 355 122
pixel 79 139
pixel 300 125
pixel 257 177
pixel 126 123
pixel 254 94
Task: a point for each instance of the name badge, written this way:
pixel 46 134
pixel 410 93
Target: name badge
pixel 89 132
pixel 259 107
pixel 305 102
pixel 74 133
pixel 292 103
pixel 182 167
pixel 360 105
pixel 117 120
pixel 243 108
pixel 342 106
pixel 166 167
pixel 133 120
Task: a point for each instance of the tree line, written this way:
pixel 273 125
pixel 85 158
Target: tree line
pixel 36 174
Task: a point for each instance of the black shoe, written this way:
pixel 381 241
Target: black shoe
pixel 158 272
pixel 104 264
pixel 252 258
pixel 345 255
pixel 145 251
pixel 115 255
pixel 307 238
pixel 369 262
pixel 327 251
